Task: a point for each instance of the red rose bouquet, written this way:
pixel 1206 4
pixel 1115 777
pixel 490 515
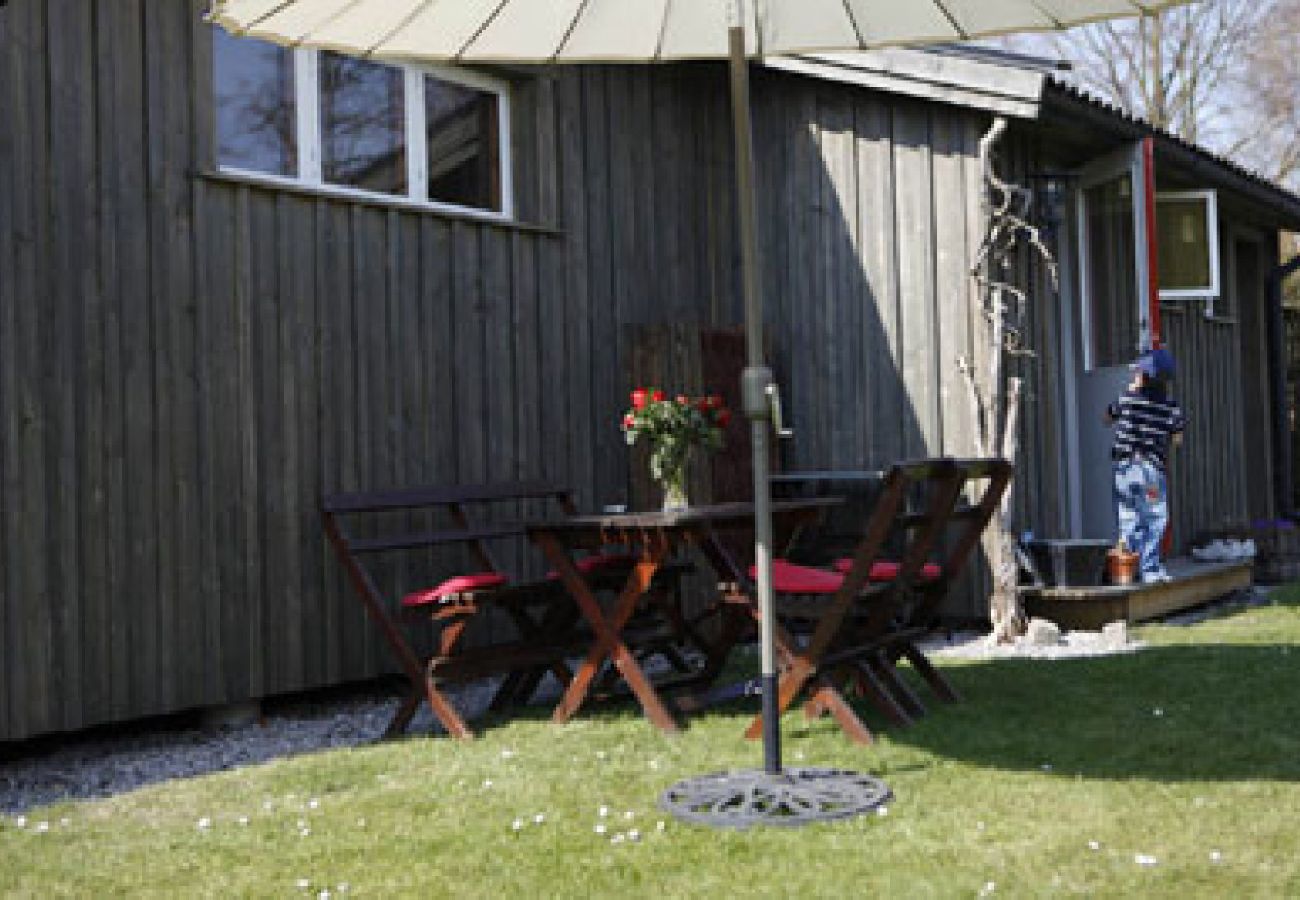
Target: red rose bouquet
pixel 674 428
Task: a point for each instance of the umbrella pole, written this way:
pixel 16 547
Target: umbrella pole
pixel 756 384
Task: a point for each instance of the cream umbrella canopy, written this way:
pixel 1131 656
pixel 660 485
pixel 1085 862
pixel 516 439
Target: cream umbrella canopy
pixel 628 31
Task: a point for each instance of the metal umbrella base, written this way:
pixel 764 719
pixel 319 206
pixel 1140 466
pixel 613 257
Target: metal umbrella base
pixel 789 798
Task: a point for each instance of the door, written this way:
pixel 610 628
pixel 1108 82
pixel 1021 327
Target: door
pixel 1115 321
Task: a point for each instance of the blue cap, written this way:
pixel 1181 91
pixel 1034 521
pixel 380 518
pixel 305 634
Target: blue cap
pixel 1157 363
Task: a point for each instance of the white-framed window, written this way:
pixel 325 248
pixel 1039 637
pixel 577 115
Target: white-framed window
pixel 1187 229
pixel 432 136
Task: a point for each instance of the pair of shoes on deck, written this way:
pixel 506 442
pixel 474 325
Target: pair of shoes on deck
pixel 1224 550
pixel 1160 576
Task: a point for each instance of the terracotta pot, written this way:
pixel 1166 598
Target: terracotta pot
pixel 1121 566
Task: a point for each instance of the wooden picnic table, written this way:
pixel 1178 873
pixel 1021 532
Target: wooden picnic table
pixel 653 538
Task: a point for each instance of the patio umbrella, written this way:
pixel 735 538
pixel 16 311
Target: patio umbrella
pixel 625 31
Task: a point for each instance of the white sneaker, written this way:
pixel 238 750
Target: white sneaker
pixel 1155 577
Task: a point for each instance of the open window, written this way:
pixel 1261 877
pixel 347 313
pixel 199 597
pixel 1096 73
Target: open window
pixel 1187 231
pixel 1114 263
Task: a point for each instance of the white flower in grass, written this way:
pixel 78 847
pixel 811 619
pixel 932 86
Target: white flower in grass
pixel 660 826
pixel 882 811
pixel 600 754
pixel 989 888
pixel 1157 712
pixel 539 818
pixel 629 815
pixel 266 805
pixel 302 884
pixel 1216 856
pixel 21 821
pixel 324 894
pixel 343 887
pixel 507 754
pixel 654 764
pixel 517 824
pixel 600 828
pixel 305 832
pixel 617 839
pixel 302 823
pixel 243 820
pixel 64 822
pixel 979 826
pixel 313 804
pixel 205 823
pixel 361 823
pixel 1094 845
pixel 42 827
pixel 487 783
pixel 1143 859
pixel 603 811
pixel 634 835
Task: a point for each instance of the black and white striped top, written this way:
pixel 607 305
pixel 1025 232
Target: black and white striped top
pixel 1144 420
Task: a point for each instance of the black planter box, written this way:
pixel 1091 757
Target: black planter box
pixel 1070 563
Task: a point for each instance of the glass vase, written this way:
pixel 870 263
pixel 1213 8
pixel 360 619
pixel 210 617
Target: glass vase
pixel 675 499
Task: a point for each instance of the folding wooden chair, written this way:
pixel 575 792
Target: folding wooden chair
pixel 861 619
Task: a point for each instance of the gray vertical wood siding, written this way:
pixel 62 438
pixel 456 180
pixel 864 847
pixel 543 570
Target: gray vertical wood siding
pixel 187 363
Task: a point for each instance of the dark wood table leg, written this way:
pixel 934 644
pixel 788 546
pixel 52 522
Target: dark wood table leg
pixel 607 643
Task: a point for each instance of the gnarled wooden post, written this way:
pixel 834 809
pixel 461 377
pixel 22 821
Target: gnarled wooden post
pixel 994 396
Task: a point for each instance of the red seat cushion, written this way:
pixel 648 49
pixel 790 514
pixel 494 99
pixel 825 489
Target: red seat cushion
pixel 460 584
pixel 788 578
pixel 598 562
pixel 884 570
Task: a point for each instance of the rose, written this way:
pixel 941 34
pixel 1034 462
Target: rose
pixel 683 400
pixel 639 397
pixel 629 421
pixel 657 396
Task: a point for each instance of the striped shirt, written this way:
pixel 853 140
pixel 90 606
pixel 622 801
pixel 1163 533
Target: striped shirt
pixel 1144 419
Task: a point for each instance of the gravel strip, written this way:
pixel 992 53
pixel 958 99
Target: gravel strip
pixel 87 767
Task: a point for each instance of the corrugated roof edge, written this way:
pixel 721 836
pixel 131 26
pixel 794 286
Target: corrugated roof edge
pixel 1061 94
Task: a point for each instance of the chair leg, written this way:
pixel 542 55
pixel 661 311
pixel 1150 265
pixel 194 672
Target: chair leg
pixel 880 696
pixel 940 685
pixel 896 686
pixel 828 698
pixel 405 712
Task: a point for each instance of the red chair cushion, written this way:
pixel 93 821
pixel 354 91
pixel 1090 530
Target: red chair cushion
pixel 461 584
pixel 598 562
pixel 884 570
pixel 788 578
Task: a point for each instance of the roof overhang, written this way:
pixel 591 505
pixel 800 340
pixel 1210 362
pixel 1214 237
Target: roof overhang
pixel 1063 103
pixel 1001 90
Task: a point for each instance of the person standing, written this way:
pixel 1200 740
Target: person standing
pixel 1146 421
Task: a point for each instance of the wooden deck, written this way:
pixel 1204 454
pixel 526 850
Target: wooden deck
pixel 1193 583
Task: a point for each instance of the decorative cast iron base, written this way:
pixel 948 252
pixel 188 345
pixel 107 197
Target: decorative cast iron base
pixel 793 797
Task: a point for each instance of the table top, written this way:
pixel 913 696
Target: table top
pixel 711 514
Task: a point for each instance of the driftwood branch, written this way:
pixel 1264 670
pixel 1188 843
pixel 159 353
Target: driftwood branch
pixel 995 394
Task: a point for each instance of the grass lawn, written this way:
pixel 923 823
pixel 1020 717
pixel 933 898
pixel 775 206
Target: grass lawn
pixel 1053 777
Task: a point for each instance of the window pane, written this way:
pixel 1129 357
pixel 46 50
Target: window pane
pixel 1112 267
pixel 464 164
pixel 1184 241
pixel 363 124
pixel 255 111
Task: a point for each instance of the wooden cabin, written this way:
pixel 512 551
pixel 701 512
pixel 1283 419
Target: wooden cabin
pixel 234 278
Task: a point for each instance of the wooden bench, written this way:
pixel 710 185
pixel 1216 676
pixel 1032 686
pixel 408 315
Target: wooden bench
pixel 547 630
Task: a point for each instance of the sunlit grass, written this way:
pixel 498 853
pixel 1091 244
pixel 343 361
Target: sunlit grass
pixel 1173 771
